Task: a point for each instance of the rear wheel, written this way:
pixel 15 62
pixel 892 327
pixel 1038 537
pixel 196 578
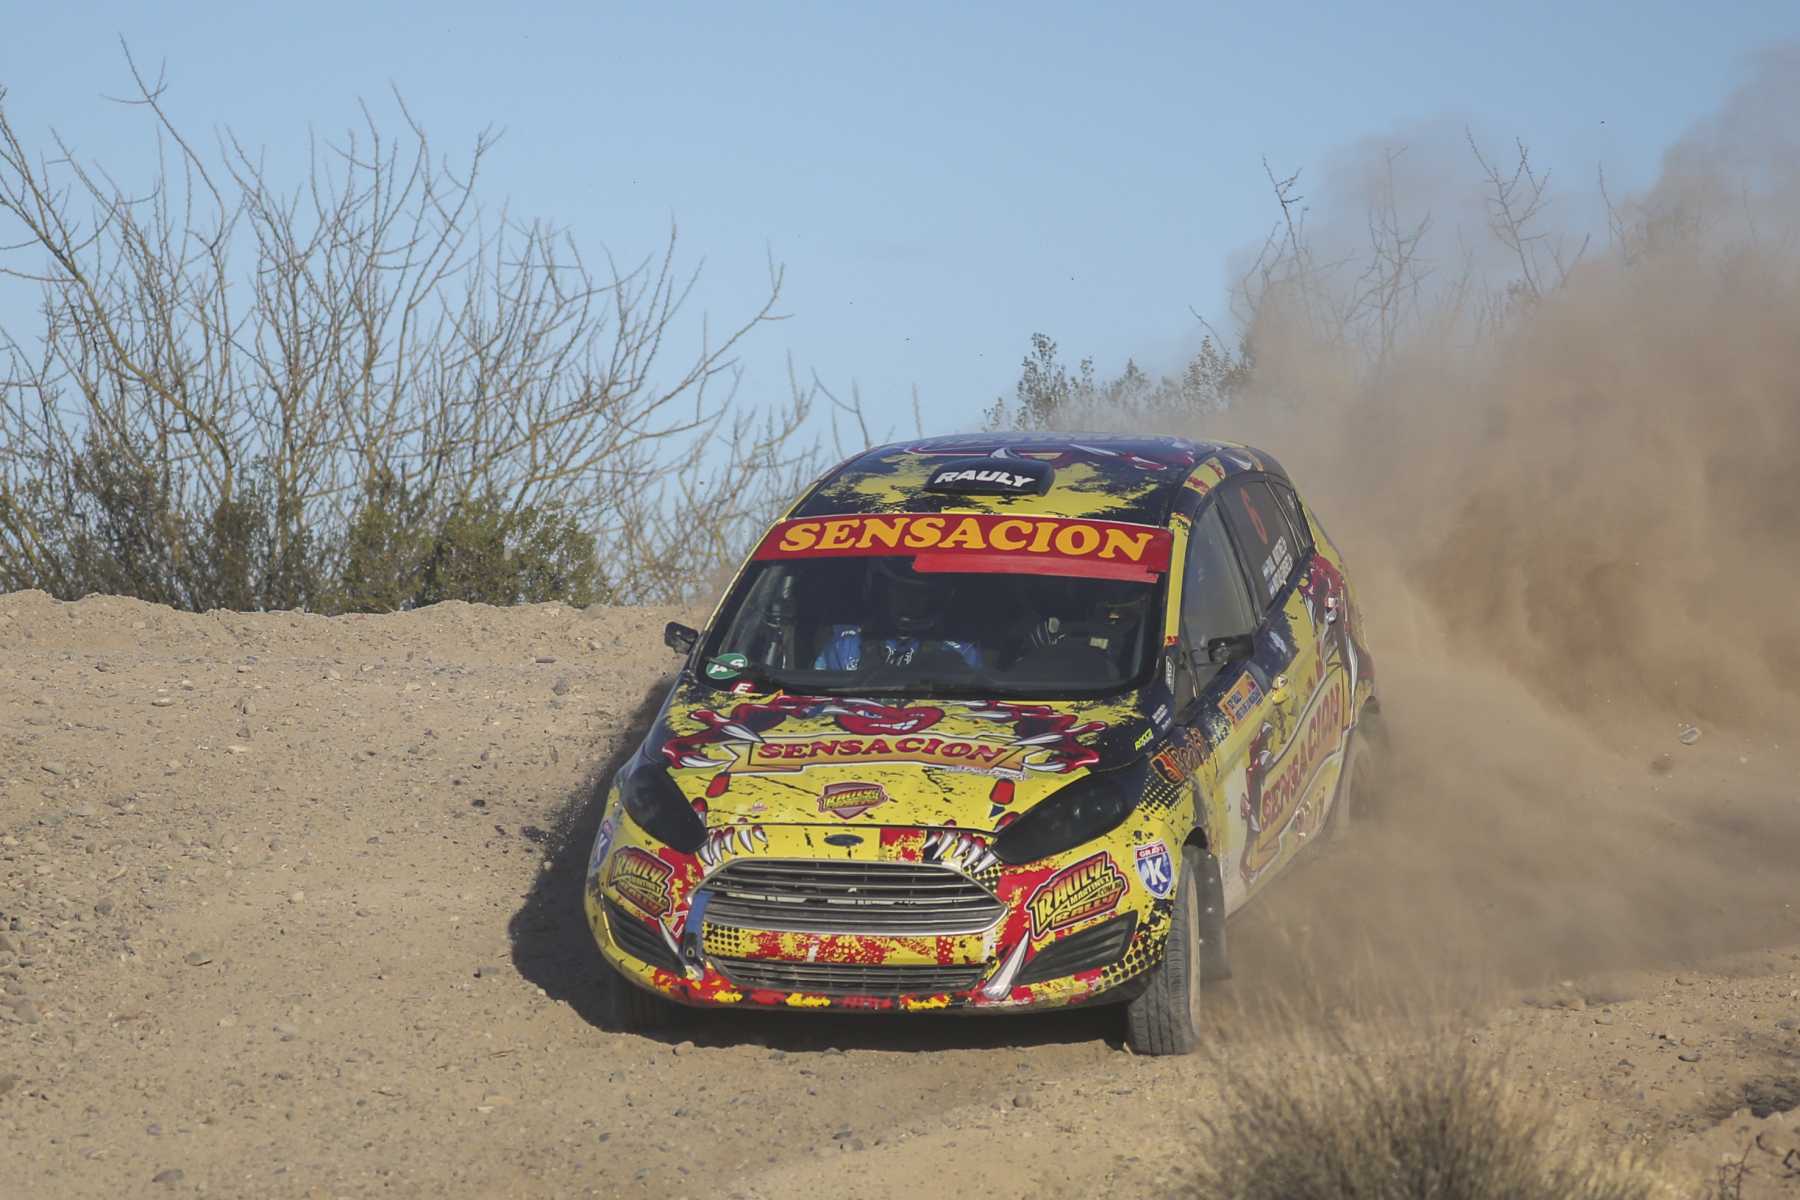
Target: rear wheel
pixel 1165 1017
pixel 1360 784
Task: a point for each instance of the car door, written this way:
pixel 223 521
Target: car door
pixel 1320 604
pixel 1220 706
pixel 1326 593
pixel 1295 738
pixel 1295 742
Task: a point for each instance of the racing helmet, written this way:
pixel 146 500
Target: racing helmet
pixel 1117 603
pixel 910 603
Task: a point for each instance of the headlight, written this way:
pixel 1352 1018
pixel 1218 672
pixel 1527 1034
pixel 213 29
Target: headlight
pixel 1078 813
pixel 658 806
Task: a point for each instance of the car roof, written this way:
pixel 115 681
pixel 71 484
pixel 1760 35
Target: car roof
pixel 1095 475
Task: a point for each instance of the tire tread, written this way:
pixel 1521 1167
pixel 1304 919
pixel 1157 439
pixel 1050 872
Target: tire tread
pixel 1157 1022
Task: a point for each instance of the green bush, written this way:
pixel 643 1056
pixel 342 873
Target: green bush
pixel 487 554
pixel 399 556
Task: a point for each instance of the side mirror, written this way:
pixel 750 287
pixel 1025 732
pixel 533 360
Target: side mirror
pixel 680 638
pixel 1222 650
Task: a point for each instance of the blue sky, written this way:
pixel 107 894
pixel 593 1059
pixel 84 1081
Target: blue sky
pixel 940 180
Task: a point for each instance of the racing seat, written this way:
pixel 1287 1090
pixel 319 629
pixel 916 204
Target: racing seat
pixel 1065 661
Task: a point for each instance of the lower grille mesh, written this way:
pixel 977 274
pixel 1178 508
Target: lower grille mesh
pixel 847 979
pixel 1084 951
pixel 638 939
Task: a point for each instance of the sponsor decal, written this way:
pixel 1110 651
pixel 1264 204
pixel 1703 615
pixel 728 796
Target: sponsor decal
pixel 1011 477
pixel 980 542
pixel 851 798
pixel 740 741
pixel 775 755
pixel 643 879
pixel 1184 754
pixel 1241 701
pixel 1156 867
pixel 1143 739
pixel 1274 790
pixel 1086 889
pixel 1277 566
pixel 726 666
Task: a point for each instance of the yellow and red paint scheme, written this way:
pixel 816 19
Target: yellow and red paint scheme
pixel 1043 902
pixel 1250 771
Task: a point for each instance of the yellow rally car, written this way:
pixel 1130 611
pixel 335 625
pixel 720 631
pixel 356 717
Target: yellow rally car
pixel 989 722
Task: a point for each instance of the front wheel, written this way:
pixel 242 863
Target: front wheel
pixel 1165 1017
pixel 627 1008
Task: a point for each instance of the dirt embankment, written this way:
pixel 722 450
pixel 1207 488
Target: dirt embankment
pixel 290 908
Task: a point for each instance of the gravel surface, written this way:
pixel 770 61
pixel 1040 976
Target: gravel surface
pixel 289 907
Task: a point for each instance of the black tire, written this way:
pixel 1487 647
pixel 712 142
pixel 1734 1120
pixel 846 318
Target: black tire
pixel 1360 784
pixel 627 1008
pixel 1165 1017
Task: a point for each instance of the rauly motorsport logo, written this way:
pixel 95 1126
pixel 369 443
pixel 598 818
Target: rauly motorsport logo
pixel 1018 477
pixel 1088 888
pixel 851 799
pixel 642 879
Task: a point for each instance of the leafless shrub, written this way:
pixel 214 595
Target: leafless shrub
pixel 226 374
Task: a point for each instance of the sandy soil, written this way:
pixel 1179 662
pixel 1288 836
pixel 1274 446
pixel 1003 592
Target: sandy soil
pixel 289 907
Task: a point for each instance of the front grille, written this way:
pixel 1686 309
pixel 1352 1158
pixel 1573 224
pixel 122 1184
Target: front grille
pixel 639 940
pixel 1097 947
pixel 847 979
pixel 879 898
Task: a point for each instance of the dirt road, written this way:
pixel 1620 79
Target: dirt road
pixel 289 907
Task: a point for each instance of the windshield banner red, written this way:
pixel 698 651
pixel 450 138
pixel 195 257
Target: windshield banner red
pixel 980 542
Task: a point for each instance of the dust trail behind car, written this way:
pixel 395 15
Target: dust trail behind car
pixel 1580 552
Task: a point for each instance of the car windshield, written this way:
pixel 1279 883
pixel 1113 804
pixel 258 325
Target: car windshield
pixel 879 625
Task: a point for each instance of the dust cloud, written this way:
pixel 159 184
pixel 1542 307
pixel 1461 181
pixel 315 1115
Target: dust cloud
pixel 1574 531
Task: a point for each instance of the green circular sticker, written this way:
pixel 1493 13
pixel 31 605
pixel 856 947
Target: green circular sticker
pixel 726 666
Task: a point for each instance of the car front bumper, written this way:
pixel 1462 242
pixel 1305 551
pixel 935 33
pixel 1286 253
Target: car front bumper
pixel 880 918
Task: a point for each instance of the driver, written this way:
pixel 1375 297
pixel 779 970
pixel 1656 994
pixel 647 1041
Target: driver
pixel 1105 614
pixel 910 611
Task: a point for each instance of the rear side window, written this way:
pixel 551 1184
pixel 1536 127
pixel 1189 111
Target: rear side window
pixel 1260 528
pixel 1213 600
pixel 1290 504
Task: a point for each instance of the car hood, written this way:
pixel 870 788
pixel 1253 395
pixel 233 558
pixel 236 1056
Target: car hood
pixel 828 760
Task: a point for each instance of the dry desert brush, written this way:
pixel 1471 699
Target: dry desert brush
pixel 1325 1117
pixel 220 388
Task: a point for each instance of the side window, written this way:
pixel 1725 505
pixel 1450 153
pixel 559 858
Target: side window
pixel 1260 529
pixel 1213 600
pixel 1290 504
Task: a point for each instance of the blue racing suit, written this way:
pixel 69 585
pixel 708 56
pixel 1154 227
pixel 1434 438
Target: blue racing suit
pixel 845 649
